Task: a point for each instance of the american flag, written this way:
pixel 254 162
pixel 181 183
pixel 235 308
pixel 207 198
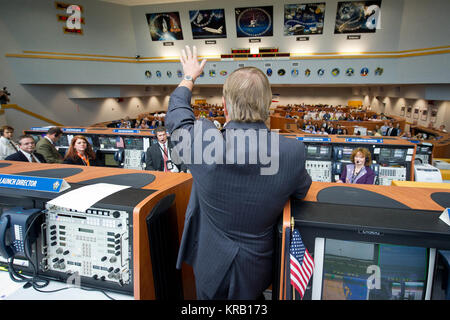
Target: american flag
pixel 302 264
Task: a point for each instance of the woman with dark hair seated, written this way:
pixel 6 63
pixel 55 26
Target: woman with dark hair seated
pixel 359 170
pixel 80 152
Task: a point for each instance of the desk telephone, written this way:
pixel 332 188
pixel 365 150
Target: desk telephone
pixel 18 230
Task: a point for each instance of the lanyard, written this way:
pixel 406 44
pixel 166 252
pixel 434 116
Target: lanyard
pixel 84 159
pixel 355 175
pixel 165 153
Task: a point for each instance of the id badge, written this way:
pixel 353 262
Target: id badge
pixel 169 165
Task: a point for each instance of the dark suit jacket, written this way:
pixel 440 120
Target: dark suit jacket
pixel 48 151
pixel 19 156
pixel 79 161
pixel 365 176
pixel 332 131
pixel 233 208
pixel 394 132
pixel 155 161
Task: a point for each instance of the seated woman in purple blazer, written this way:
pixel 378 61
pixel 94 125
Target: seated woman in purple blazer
pixel 359 170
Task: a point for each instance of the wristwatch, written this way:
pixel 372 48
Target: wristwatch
pixel 188 78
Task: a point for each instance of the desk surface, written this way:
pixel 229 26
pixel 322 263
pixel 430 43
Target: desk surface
pixel 416 184
pixel 10 290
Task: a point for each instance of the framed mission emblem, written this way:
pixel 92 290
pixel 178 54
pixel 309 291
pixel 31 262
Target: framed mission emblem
pixel 254 22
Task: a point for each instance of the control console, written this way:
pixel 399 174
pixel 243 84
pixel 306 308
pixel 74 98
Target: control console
pixel 96 244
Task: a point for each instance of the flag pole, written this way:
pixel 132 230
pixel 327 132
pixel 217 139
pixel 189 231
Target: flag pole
pixel 292 232
pixel 284 250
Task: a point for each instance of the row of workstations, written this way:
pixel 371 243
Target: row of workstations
pixel 123 148
pixel 439 139
pixel 128 241
pixel 285 124
pixel 393 158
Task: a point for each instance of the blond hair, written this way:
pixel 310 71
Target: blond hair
pixel 248 95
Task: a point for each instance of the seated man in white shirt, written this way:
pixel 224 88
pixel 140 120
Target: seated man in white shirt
pixel 26 151
pixel 7 146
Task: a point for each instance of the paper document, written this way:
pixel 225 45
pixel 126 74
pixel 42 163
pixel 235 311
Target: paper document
pixel 7 286
pixel 83 198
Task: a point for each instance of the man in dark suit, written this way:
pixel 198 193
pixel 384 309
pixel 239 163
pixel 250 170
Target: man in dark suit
pixel 239 188
pixel 391 131
pixel 395 130
pixel 26 151
pixel 158 157
pixel 331 129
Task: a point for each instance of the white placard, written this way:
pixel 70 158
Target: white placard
pixel 83 198
pixel 444 216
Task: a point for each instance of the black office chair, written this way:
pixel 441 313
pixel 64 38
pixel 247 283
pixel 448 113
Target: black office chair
pixel 143 158
pixel 119 156
pixel 376 168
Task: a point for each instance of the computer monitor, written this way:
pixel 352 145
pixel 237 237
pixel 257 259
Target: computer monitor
pixel 354 270
pixel 367 246
pixel 63 141
pixel 134 143
pixel 318 151
pixel 107 142
pixel 110 161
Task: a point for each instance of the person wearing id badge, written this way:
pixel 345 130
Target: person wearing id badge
pixel 158 157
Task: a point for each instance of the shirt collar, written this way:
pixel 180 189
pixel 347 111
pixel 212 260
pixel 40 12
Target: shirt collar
pixel 48 139
pixel 245 125
pixel 28 155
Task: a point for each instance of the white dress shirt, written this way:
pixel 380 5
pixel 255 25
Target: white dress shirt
pixel 28 155
pixel 161 147
pixel 6 147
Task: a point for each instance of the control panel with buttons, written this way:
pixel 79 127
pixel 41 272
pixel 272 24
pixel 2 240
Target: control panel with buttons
pixel 319 170
pixel 94 244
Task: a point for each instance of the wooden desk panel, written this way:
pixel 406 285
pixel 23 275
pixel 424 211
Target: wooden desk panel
pixel 414 198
